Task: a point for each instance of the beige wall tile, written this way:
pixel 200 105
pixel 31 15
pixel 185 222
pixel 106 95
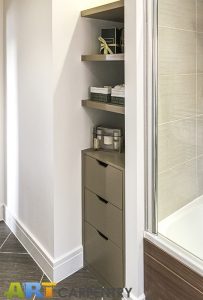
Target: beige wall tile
pixel 176 188
pixel 200 136
pixel 176 143
pixel 177 97
pixel 178 14
pixel 200 52
pixel 200 94
pixel 200 15
pixel 177 51
pixel 180 132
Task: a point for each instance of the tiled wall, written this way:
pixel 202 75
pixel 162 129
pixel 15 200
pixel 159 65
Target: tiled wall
pixel 180 142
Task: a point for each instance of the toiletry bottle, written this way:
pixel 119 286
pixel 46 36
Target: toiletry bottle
pixel 116 144
pixel 99 137
pixel 96 144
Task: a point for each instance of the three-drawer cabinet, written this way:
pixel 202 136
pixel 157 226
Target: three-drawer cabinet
pixel 103 215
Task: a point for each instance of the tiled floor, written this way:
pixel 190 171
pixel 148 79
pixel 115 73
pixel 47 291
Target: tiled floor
pixel 16 265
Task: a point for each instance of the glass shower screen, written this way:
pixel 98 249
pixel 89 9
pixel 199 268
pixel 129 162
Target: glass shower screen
pixel 176 120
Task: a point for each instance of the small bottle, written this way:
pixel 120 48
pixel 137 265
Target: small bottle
pixel 116 144
pixel 96 144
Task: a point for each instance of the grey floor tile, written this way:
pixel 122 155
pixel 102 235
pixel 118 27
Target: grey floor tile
pixel 17 268
pixel 13 245
pixel 69 288
pixel 82 285
pixel 4 232
pixel 83 278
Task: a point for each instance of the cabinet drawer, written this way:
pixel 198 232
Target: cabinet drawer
pixel 104 216
pixel 104 257
pixel 104 180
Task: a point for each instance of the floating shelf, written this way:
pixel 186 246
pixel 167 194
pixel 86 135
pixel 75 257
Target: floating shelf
pixel 104 106
pixel 110 12
pixel 102 57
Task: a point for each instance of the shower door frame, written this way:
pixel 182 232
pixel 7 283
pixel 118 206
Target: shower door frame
pixel 151 148
pixel 152 117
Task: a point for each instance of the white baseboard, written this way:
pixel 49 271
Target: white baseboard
pixel 55 269
pixel 68 264
pixel 1 212
pixel 133 297
pixel 34 248
pixel 142 297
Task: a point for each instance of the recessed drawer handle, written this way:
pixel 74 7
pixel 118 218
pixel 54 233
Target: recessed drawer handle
pixel 102 199
pixel 102 235
pixel 101 163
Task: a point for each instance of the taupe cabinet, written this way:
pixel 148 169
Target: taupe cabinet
pixel 103 215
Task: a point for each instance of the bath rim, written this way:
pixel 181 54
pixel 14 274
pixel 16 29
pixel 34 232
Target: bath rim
pixel 176 251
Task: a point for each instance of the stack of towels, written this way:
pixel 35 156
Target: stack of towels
pixel 118 91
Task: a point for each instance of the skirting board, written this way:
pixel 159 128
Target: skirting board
pixel 1 212
pixel 133 297
pixel 55 269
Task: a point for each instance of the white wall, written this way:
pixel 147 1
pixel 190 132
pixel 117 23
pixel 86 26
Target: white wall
pixel 135 103
pixel 73 36
pixel 1 114
pixel 47 127
pixel 30 117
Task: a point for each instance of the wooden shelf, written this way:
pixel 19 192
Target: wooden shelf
pixel 111 12
pixel 104 106
pixel 102 57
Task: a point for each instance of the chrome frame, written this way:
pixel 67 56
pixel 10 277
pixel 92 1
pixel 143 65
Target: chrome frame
pixel 152 116
pixel 155 116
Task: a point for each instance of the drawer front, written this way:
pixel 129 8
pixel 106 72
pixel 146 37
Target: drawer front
pixel 104 180
pixel 104 216
pixel 104 257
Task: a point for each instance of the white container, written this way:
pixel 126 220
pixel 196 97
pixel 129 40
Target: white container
pixel 100 90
